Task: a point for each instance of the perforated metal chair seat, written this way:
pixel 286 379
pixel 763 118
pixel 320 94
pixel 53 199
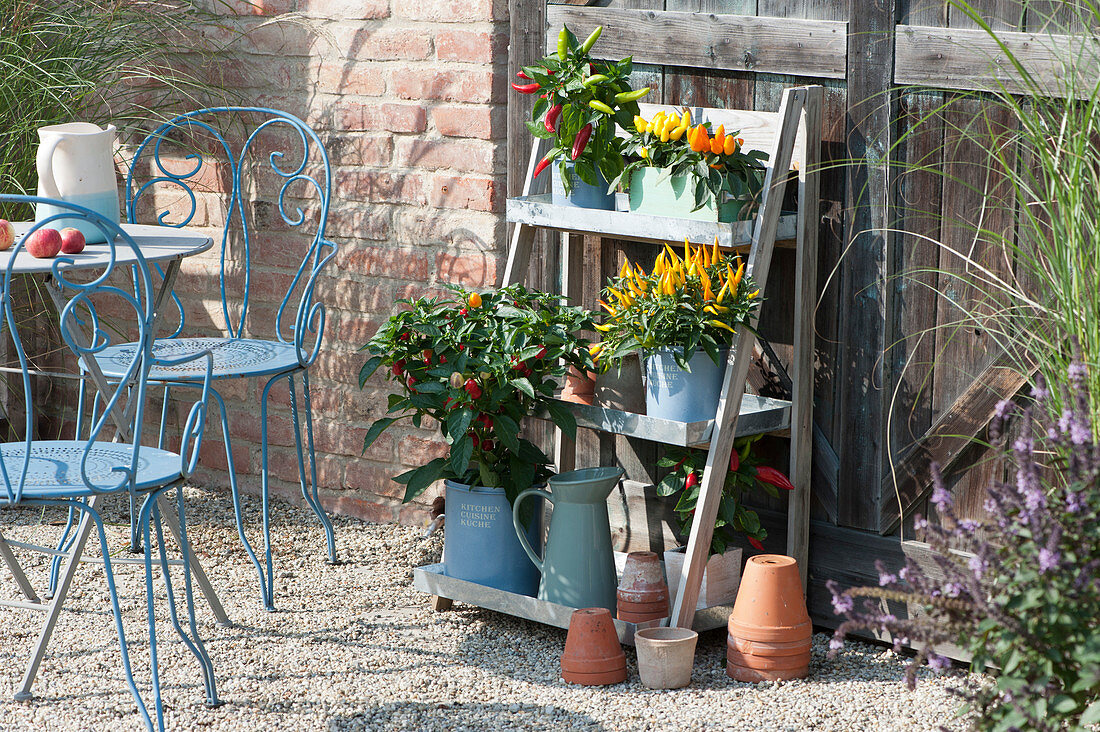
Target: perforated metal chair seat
pixel 55 467
pixel 233 357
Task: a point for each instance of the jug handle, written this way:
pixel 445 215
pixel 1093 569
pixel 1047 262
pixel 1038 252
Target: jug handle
pixel 44 163
pixel 519 526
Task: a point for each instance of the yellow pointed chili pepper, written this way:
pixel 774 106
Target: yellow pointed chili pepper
pixel 720 324
pixel 677 133
pixel 716 309
pixel 687 250
pixel 716 256
pixel 624 271
pixel 639 123
pixel 607 307
pixel 643 154
pixel 723 292
pixel 594 350
pixel 685 118
pixel 708 294
pixel 602 328
pixel 753 294
pixel 672 259
pixel 659 265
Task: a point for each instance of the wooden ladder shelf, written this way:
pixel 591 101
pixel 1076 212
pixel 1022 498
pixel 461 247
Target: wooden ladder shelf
pixel 792 137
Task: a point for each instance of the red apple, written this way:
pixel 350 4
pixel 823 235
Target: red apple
pixel 72 241
pixel 7 234
pixel 43 243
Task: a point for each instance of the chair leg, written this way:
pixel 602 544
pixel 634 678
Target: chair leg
pixel 193 641
pixel 144 517
pixel 264 493
pixel 90 514
pixel 309 490
pixel 65 543
pixel 265 592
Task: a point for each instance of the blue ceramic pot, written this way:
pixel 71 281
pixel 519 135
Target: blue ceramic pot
pixel 480 543
pixel 683 396
pixel 583 194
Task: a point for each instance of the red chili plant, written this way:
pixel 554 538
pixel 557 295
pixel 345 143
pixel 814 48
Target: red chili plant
pixel 745 474
pixel 580 105
pixel 476 364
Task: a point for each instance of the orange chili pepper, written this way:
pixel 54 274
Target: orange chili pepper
pixel 717 145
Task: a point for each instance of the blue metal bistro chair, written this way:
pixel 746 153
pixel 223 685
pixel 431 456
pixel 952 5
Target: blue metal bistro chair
pixel 275 172
pixel 77 474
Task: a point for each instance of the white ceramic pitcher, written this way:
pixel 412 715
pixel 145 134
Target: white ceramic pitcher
pixel 76 164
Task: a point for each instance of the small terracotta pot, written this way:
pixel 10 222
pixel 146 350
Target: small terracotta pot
pixel 769 628
pixel 665 656
pixel 642 594
pixel 579 387
pixel 593 656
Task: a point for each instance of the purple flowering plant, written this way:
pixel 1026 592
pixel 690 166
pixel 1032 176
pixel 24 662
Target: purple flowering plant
pixel 1020 589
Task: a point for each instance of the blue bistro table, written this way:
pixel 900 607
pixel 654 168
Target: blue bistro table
pixel 162 245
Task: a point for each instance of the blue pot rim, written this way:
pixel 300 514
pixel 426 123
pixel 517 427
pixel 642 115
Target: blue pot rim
pixel 669 351
pixel 485 490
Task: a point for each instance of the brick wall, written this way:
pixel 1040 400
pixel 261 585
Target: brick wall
pixel 410 101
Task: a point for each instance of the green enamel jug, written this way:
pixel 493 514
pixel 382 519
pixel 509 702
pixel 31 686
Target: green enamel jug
pixel 577 566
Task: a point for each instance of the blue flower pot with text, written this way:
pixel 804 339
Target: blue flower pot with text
pixel 480 543
pixel 582 195
pixel 684 396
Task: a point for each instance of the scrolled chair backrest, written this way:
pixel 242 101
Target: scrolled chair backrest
pixel 272 164
pixel 87 329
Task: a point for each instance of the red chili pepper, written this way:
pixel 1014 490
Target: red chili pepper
pixel 398 368
pixel 772 476
pixel 756 544
pixel 542 165
pixel 735 461
pixel 473 389
pixel 522 75
pixel 526 88
pixel 541 354
pixel 552 117
pixel 691 482
pixel 581 142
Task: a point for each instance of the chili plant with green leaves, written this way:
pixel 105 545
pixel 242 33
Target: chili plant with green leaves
pixel 581 104
pixel 745 475
pixel 477 364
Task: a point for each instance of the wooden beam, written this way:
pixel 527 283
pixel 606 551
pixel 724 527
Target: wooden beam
pixel 910 479
pixel 871 107
pixel 966 58
pixel 712 41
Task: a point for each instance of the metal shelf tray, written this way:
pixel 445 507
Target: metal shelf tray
pixel 758 415
pixel 431 580
pixel 537 210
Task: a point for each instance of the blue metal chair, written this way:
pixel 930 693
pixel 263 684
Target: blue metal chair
pixel 76 474
pixel 254 146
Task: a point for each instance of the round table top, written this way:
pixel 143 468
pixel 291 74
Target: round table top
pixel 157 244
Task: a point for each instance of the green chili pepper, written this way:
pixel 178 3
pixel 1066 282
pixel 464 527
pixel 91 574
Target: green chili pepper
pixel 563 43
pixel 632 96
pixel 591 40
pixel 595 79
pixel 599 106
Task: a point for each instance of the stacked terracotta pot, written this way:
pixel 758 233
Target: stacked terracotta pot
pixel 769 629
pixel 643 593
pixel 593 656
pixel 579 388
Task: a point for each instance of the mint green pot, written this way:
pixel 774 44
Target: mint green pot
pixel 657 194
pixel 578 566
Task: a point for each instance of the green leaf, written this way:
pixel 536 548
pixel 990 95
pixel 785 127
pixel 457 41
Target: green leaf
pixel 562 417
pixel 670 484
pixel 458 422
pixel 1092 714
pixel 416 480
pixel 538 129
pixel 507 431
pixel 461 452
pixel 368 369
pixel 376 430
pixel 524 385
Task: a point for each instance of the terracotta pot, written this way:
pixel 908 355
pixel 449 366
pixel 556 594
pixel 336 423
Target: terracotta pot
pixel 626 615
pixel 579 387
pixel 769 628
pixel 593 656
pixel 665 656
pixel 642 594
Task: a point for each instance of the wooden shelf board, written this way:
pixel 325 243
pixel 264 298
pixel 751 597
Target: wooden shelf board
pixel 431 579
pixel 538 211
pixel 758 415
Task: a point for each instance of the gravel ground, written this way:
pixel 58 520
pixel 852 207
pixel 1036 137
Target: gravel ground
pixel 354 647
